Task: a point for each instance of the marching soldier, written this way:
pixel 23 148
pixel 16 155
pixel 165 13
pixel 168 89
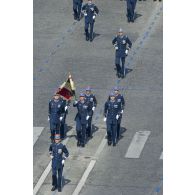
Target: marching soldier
pixel 120 99
pixel 58 153
pixel 55 115
pixel 82 117
pixel 91 100
pixel 112 112
pixel 131 10
pixel 63 126
pixel 122 45
pixel 90 11
pixel 77 4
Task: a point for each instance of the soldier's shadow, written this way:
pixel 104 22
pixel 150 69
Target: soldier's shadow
pixel 68 129
pixel 95 35
pixel 123 129
pixel 128 70
pixel 93 130
pixel 65 181
pixel 137 16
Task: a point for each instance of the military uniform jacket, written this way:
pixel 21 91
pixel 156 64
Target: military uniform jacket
pixel 91 100
pixel 111 109
pixel 90 10
pixel 120 99
pixel 59 152
pixel 83 111
pixel 55 111
pixel 121 42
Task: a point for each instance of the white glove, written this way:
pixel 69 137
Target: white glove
pixel 75 102
pixel 94 17
pixel 121 111
pixel 51 156
pixel 87 117
pixel 117 117
pixel 63 162
pixel 93 108
pixel 85 14
pixel 116 48
pixel 66 107
pixel 104 119
pixel 48 118
pixel 61 118
pixel 126 51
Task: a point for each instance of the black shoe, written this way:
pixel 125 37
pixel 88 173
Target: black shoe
pixel 91 39
pixel 87 38
pixel 75 17
pixel 128 20
pixel 114 144
pixel 78 144
pixel 109 143
pixel 59 189
pixel 82 145
pixel 53 188
pixel 78 19
pixel 118 75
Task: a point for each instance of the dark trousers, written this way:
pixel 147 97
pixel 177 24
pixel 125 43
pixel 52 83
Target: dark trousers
pixel 88 33
pixel 111 132
pixel 118 132
pixel 120 69
pixel 81 131
pixel 57 177
pixel 54 128
pixel 63 128
pixel 131 12
pixel 88 130
pixel 77 10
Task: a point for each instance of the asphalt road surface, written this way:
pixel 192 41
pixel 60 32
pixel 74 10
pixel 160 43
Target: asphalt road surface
pixel 135 165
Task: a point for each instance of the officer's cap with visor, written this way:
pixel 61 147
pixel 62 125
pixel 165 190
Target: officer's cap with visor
pixel 57 136
pixel 88 88
pixel 116 88
pixel 56 94
pixel 120 30
pixel 112 94
pixel 82 95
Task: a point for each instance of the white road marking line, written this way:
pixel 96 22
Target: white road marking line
pixel 101 146
pixel 47 170
pixel 161 156
pixel 137 144
pixel 84 177
pixel 89 168
pixel 36 133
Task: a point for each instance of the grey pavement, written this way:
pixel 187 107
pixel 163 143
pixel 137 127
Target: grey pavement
pixel 59 47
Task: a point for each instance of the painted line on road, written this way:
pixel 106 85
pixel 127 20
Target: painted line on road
pixel 84 177
pixel 137 144
pixel 47 170
pixel 36 133
pixel 161 156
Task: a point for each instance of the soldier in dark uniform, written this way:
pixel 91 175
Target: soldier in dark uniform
pixel 120 99
pixel 122 45
pixel 91 99
pixel 90 11
pixel 55 115
pixel 77 4
pixel 58 153
pixel 63 126
pixel 131 10
pixel 112 113
pixel 82 117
